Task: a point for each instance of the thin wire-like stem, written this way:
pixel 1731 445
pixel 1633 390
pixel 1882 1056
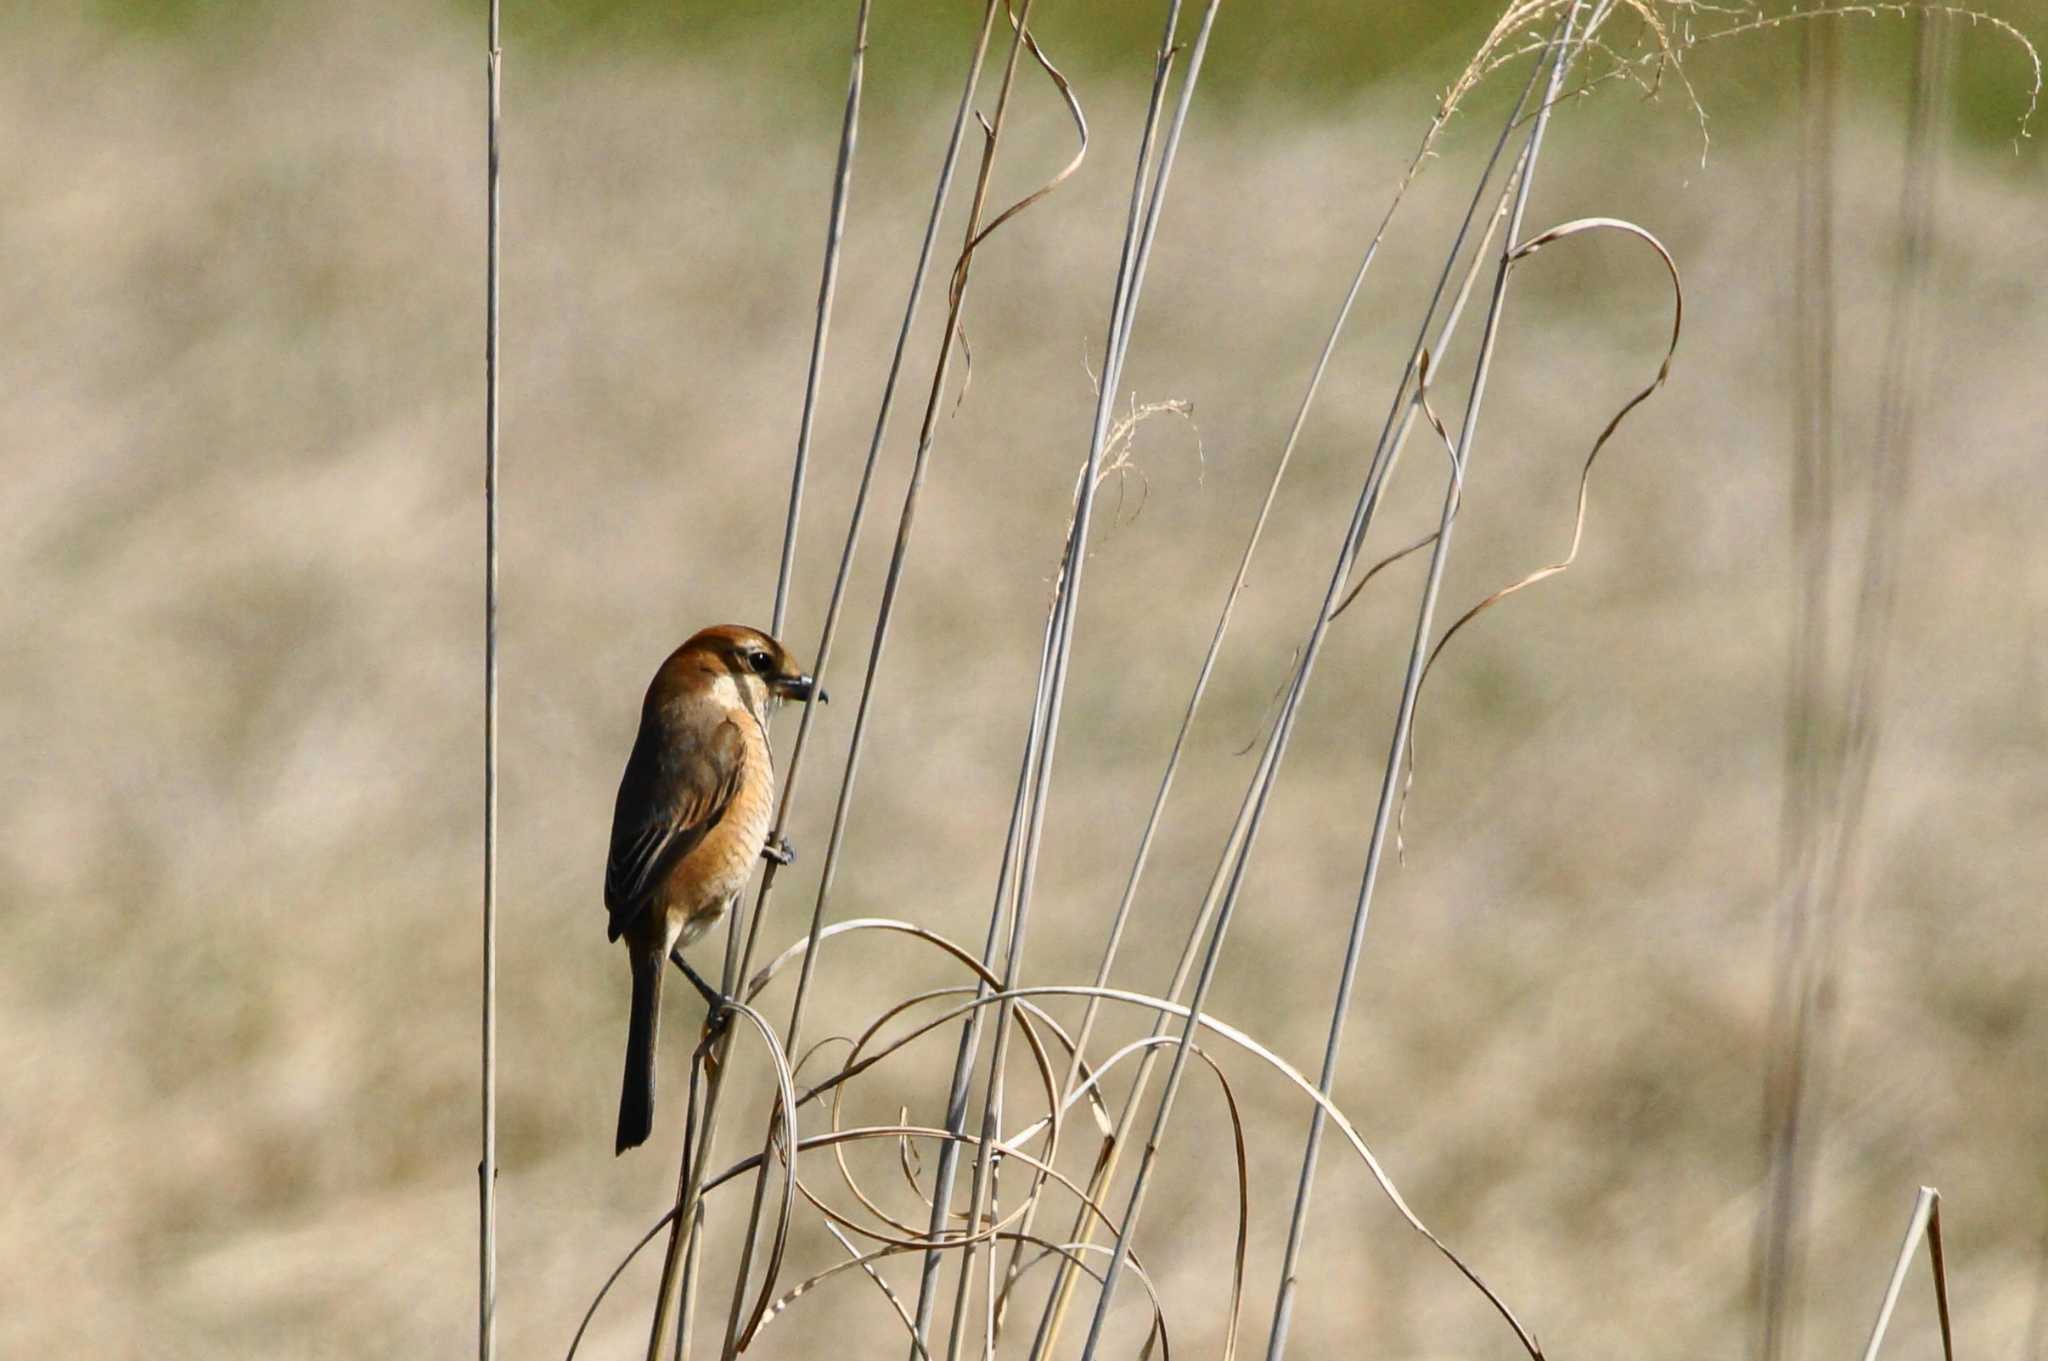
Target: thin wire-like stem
pixel 892 582
pixel 1386 452
pixel 1140 229
pixel 487 1166
pixel 857 520
pixel 1900 387
pixel 860 1057
pixel 1924 1222
pixel 1418 661
pixel 1813 427
pixel 970 1033
pixel 906 522
pixel 828 286
pixel 1203 1021
pixel 1810 743
pixel 1283 728
pixel 679 1266
pixel 1834 776
pixel 781 1129
pixel 835 229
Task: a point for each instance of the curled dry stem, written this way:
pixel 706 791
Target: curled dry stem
pixel 918 1241
pixel 1563 564
pixel 1049 1250
pixel 1280 1065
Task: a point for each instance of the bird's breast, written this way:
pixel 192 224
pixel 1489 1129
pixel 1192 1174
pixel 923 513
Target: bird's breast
pixel 718 866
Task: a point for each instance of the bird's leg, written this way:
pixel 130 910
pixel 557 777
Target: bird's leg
pixel 718 1007
pixel 778 849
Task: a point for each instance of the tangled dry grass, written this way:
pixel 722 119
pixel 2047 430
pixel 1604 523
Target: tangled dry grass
pixel 240 833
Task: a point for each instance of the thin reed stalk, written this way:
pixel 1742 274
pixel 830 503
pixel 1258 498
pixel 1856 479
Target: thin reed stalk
pixel 1140 229
pixel 1420 654
pixel 680 1263
pixel 1827 774
pixel 487 1165
pixel 1283 728
pixel 1809 741
pixel 970 1033
pixel 892 582
pixel 1837 721
pixel 1923 1223
pixel 1901 385
pixel 735 961
pixel 1386 452
pixel 828 287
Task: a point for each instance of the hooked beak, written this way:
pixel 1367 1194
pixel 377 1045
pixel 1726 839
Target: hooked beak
pixel 799 688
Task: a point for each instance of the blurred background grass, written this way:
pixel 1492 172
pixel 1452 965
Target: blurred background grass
pixel 238 834
pixel 1301 55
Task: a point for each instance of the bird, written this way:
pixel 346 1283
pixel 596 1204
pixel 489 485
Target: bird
pixel 694 812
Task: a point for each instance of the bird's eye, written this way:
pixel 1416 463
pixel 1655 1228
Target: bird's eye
pixel 760 661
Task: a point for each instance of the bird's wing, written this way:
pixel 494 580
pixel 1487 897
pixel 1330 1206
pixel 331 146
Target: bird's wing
pixel 675 789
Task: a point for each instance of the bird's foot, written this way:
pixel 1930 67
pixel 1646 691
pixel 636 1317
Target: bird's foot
pixel 717 1006
pixel 778 849
pixel 716 1024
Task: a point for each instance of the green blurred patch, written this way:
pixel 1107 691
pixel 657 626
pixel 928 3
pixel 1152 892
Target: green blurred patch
pixel 183 18
pixel 1311 48
pixel 1285 53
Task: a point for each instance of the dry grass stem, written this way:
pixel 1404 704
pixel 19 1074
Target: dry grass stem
pixel 1041 1119
pixel 487 1165
pixel 1925 1222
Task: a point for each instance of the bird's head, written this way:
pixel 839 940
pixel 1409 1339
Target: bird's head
pixel 759 668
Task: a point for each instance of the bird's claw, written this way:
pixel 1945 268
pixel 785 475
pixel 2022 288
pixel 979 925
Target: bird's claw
pixel 717 1021
pixel 778 849
pixel 717 1006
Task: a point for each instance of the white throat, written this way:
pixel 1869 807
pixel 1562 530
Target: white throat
pixel 726 691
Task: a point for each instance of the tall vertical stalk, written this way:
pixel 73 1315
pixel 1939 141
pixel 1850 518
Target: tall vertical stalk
pixel 1276 744
pixel 1419 651
pixel 1837 705
pixel 487 1166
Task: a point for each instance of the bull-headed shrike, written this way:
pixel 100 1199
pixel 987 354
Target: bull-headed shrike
pixel 694 811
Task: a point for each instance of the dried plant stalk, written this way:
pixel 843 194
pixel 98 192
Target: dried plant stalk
pixel 1028 1119
pixel 487 1165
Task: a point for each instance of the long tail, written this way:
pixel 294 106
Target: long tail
pixel 636 1094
